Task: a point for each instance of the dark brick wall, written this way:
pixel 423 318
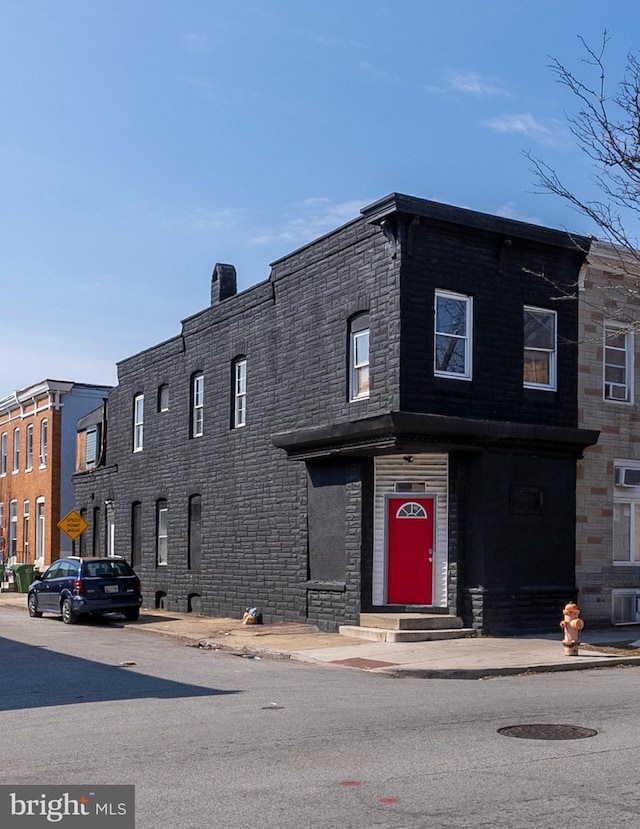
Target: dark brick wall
pixel 293 331
pixel 474 263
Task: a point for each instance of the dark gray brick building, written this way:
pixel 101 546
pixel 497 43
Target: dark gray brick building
pixel 388 422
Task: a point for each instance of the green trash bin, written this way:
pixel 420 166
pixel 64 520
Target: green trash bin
pixel 22 577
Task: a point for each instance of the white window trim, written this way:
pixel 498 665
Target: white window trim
pixel 162 512
pixel 467 338
pixel 44 443
pixel 16 451
pixel 197 403
pixel 358 367
pixel 138 423
pixel 240 394
pixel 29 449
pixel 629 348
pixel 627 495
pixel 41 526
pixel 553 360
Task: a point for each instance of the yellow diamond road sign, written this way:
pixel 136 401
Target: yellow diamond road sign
pixel 73 524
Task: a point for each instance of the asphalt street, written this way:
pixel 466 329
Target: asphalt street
pixel 217 740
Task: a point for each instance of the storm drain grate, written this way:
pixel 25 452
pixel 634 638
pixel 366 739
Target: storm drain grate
pixel 539 731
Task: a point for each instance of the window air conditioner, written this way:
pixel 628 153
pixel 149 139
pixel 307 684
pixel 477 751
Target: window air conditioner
pixel 625 607
pixel 627 476
pixel 615 391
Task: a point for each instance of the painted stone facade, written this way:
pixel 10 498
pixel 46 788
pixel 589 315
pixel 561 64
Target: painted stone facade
pixel 607 536
pixel 413 364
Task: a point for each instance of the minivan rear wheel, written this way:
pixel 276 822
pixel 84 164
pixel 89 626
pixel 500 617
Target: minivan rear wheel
pixel 132 615
pixel 68 616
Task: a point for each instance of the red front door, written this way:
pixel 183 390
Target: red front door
pixel 410 549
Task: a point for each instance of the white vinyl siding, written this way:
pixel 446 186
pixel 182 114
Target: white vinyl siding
pixel 433 471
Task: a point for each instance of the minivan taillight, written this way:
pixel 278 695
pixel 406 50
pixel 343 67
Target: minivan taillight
pixel 78 586
pixel 138 585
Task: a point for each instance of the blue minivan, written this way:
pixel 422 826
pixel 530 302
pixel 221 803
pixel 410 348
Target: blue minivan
pixel 77 586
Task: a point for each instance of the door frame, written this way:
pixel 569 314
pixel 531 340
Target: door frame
pixel 407 496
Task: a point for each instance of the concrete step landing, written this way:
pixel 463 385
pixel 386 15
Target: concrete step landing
pixel 407 627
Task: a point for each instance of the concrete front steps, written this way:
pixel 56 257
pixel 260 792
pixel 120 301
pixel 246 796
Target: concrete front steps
pixel 407 627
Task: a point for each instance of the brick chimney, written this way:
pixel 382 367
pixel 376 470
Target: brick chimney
pixel 223 283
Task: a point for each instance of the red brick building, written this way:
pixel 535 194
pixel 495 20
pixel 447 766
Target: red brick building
pixel 37 460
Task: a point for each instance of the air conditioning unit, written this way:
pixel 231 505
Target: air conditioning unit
pixel 627 476
pixel 625 608
pixel 615 391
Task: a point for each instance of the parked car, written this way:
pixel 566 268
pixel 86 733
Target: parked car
pixel 77 586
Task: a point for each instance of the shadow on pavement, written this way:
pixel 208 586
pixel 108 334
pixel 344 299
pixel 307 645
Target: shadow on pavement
pixel 35 677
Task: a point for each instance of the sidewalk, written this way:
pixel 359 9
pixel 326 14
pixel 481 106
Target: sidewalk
pixel 474 658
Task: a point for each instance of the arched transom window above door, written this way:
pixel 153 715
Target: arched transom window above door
pixel 411 510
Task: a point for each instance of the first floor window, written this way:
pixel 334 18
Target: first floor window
pixel 13 528
pixel 539 348
pixel 40 528
pixel 136 534
pixel 195 532
pixel 626 513
pixel 626 527
pixel 453 330
pixel 25 532
pixel 161 533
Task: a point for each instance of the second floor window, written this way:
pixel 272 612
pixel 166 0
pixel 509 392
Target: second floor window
pixel 359 357
pixel 29 464
pixel 16 450
pixel 539 349
pixel 618 364
pixel 163 398
pixel 197 405
pixel 138 422
pixel 453 327
pixel 91 447
pixel 240 393
pixel 3 454
pixel 44 442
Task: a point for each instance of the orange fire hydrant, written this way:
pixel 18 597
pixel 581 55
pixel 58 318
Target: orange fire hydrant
pixel 571 625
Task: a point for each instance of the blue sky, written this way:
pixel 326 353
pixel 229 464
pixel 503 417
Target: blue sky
pixel 142 141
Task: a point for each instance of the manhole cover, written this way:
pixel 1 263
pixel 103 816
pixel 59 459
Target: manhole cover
pixel 538 731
